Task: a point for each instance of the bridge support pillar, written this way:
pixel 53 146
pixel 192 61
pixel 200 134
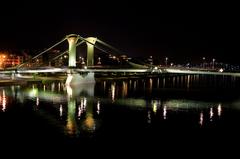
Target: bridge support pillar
pixel 13 76
pixel 72 40
pixel 74 78
pixel 90 50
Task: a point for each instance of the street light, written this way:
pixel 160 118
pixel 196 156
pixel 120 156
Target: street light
pixel 213 60
pixel 99 61
pixel 166 60
pixel 203 65
pixel 83 62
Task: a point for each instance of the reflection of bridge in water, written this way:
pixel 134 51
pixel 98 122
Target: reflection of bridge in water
pixel 80 107
pixel 76 105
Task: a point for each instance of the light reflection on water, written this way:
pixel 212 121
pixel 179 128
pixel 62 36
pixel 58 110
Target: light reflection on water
pixel 165 112
pixel 201 119
pixel 3 100
pixel 84 107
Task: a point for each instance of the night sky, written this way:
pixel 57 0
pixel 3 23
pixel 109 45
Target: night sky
pixel 182 32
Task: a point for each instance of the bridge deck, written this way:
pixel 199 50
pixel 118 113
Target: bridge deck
pixel 77 70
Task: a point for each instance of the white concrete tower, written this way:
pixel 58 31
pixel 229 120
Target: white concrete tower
pixel 90 50
pixel 72 41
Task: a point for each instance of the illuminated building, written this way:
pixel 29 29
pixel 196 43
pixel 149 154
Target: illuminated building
pixel 10 60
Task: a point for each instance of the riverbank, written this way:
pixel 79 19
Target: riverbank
pixel 22 81
pixel 11 82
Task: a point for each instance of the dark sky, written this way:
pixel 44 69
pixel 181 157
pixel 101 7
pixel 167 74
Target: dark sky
pixel 183 32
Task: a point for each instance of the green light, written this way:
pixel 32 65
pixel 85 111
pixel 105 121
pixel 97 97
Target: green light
pixel 72 40
pixel 90 50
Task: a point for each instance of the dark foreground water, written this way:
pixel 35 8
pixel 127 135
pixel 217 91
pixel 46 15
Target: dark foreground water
pixel 152 115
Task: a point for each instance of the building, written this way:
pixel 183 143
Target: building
pixel 10 60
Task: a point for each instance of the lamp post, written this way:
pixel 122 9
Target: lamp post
pixel 166 61
pixel 203 64
pixel 213 61
pixel 99 61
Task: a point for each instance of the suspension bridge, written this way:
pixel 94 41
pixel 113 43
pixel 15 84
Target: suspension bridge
pixel 74 74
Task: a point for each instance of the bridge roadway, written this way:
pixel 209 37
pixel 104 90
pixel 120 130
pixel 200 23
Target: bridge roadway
pixel 93 70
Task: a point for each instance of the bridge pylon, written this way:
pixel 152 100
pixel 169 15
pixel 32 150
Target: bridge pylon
pixel 72 41
pixel 90 41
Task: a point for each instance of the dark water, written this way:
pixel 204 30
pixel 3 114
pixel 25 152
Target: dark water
pixel 164 113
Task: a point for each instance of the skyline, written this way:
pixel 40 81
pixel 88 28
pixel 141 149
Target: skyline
pixel 160 30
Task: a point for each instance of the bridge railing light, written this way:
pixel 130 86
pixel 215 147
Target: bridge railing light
pixel 220 70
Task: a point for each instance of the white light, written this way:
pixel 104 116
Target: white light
pixel 84 102
pixel 165 112
pixel 85 67
pixel 211 114
pixel 60 110
pixel 220 70
pixel 219 108
pixel 201 119
pixel 79 112
pixel 37 101
pixel 4 101
pixel 113 91
pixel 155 107
pixel 98 107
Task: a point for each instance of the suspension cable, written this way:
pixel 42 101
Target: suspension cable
pixel 42 52
pixel 109 46
pixel 66 51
